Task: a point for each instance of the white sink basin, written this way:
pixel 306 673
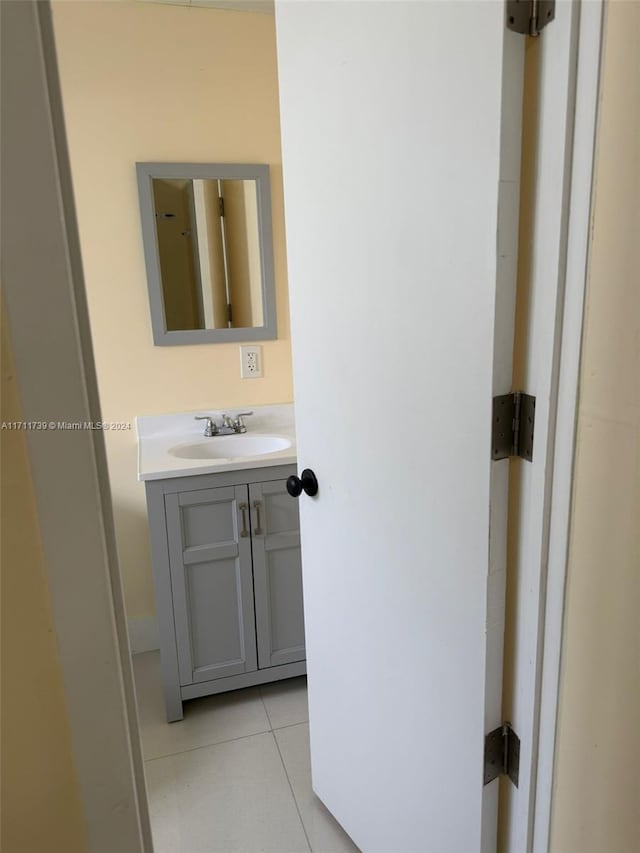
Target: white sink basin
pixel 230 447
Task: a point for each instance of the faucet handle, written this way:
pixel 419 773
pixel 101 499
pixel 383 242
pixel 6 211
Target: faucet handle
pixel 239 425
pixel 210 428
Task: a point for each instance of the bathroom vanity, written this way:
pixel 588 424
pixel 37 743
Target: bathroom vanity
pixel 225 543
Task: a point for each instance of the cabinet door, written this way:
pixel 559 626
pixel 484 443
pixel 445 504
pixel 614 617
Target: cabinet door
pixel 210 557
pixel 277 574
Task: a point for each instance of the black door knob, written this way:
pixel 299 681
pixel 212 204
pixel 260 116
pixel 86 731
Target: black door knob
pixel 306 482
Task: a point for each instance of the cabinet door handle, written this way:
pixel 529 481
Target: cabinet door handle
pixel 243 509
pixel 257 506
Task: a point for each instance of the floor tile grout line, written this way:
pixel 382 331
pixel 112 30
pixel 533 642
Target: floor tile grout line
pixel 291 725
pixel 229 740
pixel 266 710
pixel 208 745
pixel 293 793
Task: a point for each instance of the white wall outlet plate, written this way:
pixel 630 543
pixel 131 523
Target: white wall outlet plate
pixel 251 362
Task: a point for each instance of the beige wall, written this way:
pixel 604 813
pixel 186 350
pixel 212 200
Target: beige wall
pixel 149 82
pixel 596 804
pixel 41 808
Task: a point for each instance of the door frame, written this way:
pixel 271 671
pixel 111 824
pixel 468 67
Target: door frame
pixel 47 314
pixel 116 758
pixel 564 93
pixel 589 58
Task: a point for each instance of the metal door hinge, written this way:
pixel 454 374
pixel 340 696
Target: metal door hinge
pixel 229 313
pixel 514 418
pixel 502 754
pixel 529 16
pixel 220 205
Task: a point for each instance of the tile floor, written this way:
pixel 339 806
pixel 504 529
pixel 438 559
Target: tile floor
pixel 234 775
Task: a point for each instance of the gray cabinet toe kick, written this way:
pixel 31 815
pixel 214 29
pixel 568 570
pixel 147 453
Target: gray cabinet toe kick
pixel 228 578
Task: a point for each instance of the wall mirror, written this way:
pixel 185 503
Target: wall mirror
pixel 208 249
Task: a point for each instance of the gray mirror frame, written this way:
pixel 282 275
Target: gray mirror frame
pixel 225 171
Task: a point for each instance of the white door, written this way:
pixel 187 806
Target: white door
pixel 401 151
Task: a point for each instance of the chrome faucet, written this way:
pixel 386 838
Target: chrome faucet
pixel 229 425
pixel 210 427
pixel 235 425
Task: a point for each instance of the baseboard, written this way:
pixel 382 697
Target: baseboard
pixel 144 635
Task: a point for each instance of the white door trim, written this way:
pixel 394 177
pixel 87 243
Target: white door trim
pixel 569 53
pixel 48 320
pixel 590 40
pixel 104 690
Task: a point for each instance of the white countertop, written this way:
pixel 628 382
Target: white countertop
pixel 158 433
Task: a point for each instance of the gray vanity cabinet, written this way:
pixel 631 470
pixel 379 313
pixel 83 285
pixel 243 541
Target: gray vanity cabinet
pixel 277 574
pixel 211 583
pixel 228 577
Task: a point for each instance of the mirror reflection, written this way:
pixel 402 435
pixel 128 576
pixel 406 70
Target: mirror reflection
pixel 209 252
